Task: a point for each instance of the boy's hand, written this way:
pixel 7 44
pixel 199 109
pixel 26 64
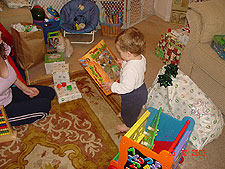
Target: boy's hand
pixel 107 85
pixel 120 61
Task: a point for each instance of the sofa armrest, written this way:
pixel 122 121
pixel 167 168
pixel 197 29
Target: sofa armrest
pixel 205 19
pixel 195 23
pixel 212 17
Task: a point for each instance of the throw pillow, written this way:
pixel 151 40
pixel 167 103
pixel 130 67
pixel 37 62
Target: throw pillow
pixel 16 3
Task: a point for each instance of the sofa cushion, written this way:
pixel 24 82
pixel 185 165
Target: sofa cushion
pixel 213 18
pixel 209 61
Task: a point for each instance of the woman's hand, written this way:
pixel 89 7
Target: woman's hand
pixel 31 91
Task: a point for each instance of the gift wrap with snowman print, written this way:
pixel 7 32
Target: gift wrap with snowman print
pixel 184 98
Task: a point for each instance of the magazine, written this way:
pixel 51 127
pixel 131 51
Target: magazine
pixel 101 64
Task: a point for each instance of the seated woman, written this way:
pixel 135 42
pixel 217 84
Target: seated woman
pixel 23 104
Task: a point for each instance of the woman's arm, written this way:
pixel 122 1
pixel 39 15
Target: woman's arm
pixel 30 91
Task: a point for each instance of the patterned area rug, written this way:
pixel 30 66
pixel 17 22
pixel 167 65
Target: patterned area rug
pixel 70 137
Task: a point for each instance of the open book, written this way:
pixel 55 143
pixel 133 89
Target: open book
pixel 101 64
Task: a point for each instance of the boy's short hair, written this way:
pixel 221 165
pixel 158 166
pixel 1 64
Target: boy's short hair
pixel 131 40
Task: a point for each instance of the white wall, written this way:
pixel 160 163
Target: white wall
pixel 163 9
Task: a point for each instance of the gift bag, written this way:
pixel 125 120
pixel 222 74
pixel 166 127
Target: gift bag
pixel 29 47
pixel 185 98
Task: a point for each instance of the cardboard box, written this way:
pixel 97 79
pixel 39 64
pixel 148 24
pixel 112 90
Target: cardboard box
pixel 60 73
pixel 52 59
pixel 67 93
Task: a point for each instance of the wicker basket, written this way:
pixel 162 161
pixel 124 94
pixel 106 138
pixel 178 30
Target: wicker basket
pixel 110 29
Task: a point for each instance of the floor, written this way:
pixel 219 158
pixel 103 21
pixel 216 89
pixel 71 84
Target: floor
pixel 152 28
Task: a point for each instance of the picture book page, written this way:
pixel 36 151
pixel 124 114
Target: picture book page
pixel 101 64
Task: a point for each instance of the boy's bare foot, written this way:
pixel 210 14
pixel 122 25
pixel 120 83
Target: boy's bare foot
pixel 119 115
pixel 122 128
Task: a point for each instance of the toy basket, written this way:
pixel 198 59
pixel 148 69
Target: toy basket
pixel 110 29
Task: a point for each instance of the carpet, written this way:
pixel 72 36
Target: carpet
pixel 72 136
pixel 113 99
pixel 83 78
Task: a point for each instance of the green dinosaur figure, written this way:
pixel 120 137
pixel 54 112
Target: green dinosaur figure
pixel 93 70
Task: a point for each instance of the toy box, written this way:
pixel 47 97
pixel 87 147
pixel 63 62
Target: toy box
pixel 218 44
pixel 156 140
pixel 101 64
pixel 67 92
pixel 60 73
pixel 52 59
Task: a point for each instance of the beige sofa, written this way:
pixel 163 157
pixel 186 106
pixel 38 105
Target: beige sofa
pixel 14 15
pixel 199 61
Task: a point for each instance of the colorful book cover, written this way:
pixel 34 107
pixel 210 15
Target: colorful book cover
pixel 101 64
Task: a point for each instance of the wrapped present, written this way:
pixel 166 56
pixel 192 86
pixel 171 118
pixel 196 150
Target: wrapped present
pixel 160 48
pixel 171 45
pixel 218 44
pixel 52 59
pixel 173 51
pixel 60 73
pixel 67 92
